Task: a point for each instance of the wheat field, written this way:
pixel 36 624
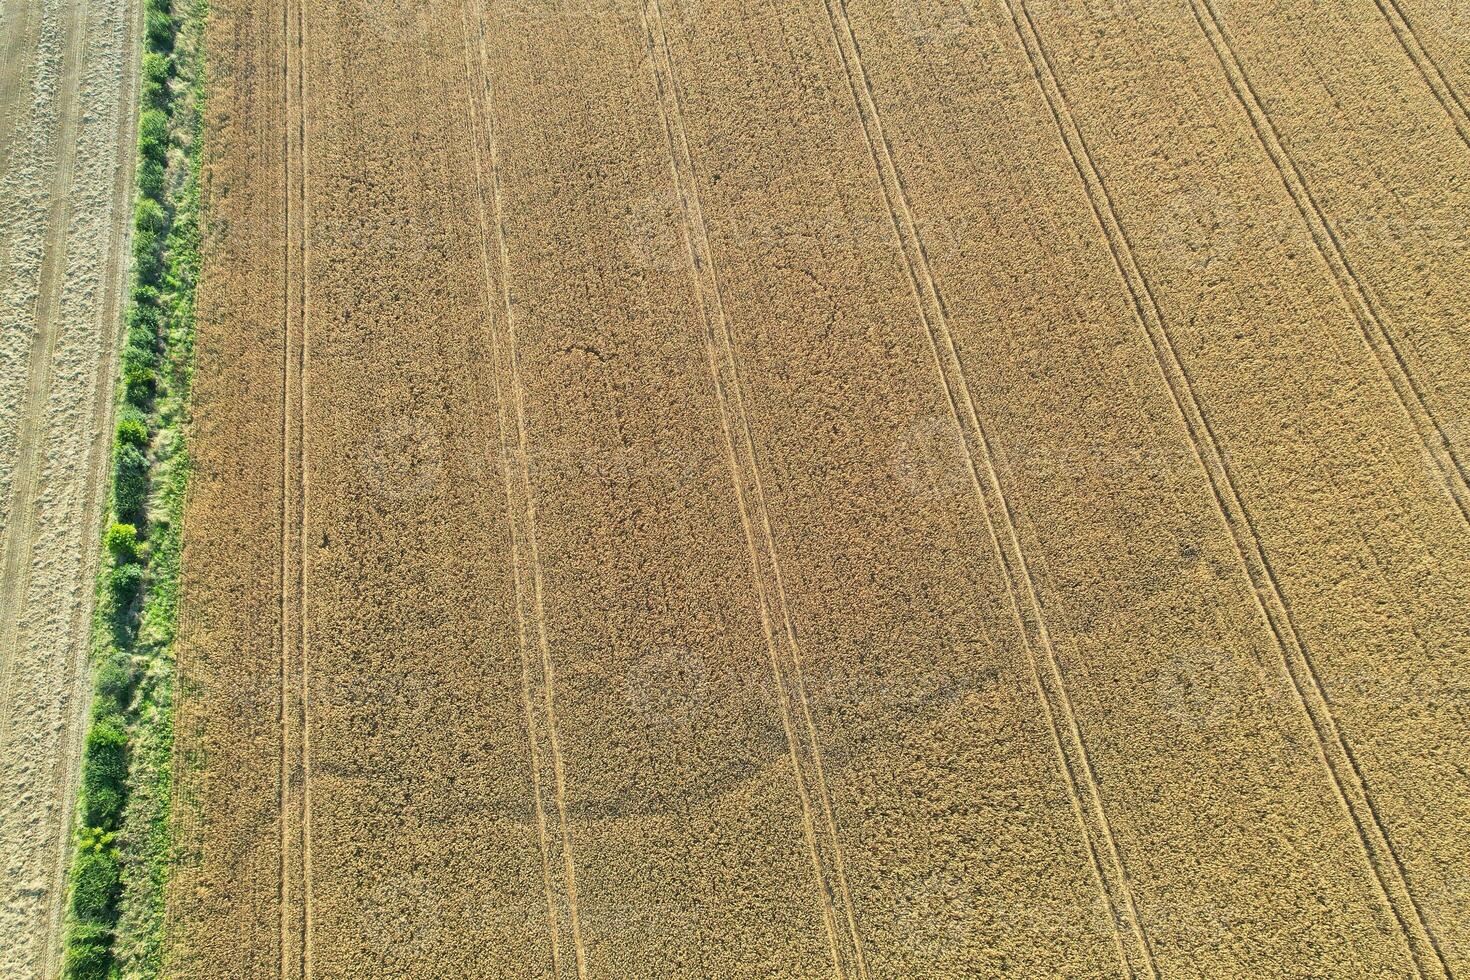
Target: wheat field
pixel 829 488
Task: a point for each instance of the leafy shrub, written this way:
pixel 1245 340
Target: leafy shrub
pixel 102 807
pixel 148 216
pixel 122 542
pixel 132 431
pixel 143 317
pixel 123 582
pixel 130 414
pixel 144 306
pixel 153 136
pixel 105 759
pixel 150 178
pixel 159 30
pixel 138 386
pixel 114 686
pixel 129 482
pixel 94 884
pixel 87 953
pixel 104 774
pixel 138 359
pixel 147 260
pixel 142 341
pixel 155 80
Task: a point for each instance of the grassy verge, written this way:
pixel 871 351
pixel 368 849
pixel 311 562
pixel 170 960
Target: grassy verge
pixel 121 857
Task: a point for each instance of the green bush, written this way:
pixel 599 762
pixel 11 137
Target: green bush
pixel 94 884
pixel 105 759
pixel 140 349
pixel 138 386
pixel 143 319
pixel 132 431
pixel 145 299
pixel 104 774
pixel 153 136
pixel 114 686
pixel 155 80
pixel 159 30
pixel 138 359
pixel 102 807
pixel 129 482
pixel 150 178
pixel 123 582
pixel 122 542
pixel 130 414
pixel 148 217
pixel 147 260
pixel 88 953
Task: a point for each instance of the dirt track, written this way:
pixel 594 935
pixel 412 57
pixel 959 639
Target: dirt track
pixel 65 185
pixel 835 487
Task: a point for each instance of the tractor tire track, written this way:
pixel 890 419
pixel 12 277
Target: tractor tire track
pixel 295 870
pixel 16 59
pixel 1334 752
pixel 845 941
pixel 507 379
pixel 1354 291
pixel 1428 68
pixel 497 325
pixel 18 547
pixel 17 70
pixel 1108 868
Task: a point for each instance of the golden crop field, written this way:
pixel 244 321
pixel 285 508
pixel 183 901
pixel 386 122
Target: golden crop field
pixel 829 488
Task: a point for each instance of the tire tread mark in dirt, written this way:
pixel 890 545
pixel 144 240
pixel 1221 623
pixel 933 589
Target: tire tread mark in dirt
pixel 1334 753
pixel 845 940
pixel 1382 855
pixel 19 542
pixel 1108 868
pixel 1429 70
pixel 295 780
pixel 507 363
pixel 498 310
pixel 109 329
pixel 18 53
pixel 1355 293
pixel 17 63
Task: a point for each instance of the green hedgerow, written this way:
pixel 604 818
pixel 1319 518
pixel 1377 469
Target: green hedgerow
pixel 105 759
pixel 138 386
pixel 88 953
pixel 153 135
pixel 129 482
pixel 156 71
pixel 129 413
pixel 102 807
pixel 121 541
pixel 145 300
pixel 123 582
pixel 104 774
pixel 143 317
pixel 147 257
pixel 138 359
pixel 95 879
pixel 114 685
pixel 132 431
pixel 159 30
pixel 148 217
pixel 150 178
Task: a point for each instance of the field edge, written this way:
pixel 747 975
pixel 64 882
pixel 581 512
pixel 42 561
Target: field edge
pixel 122 847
